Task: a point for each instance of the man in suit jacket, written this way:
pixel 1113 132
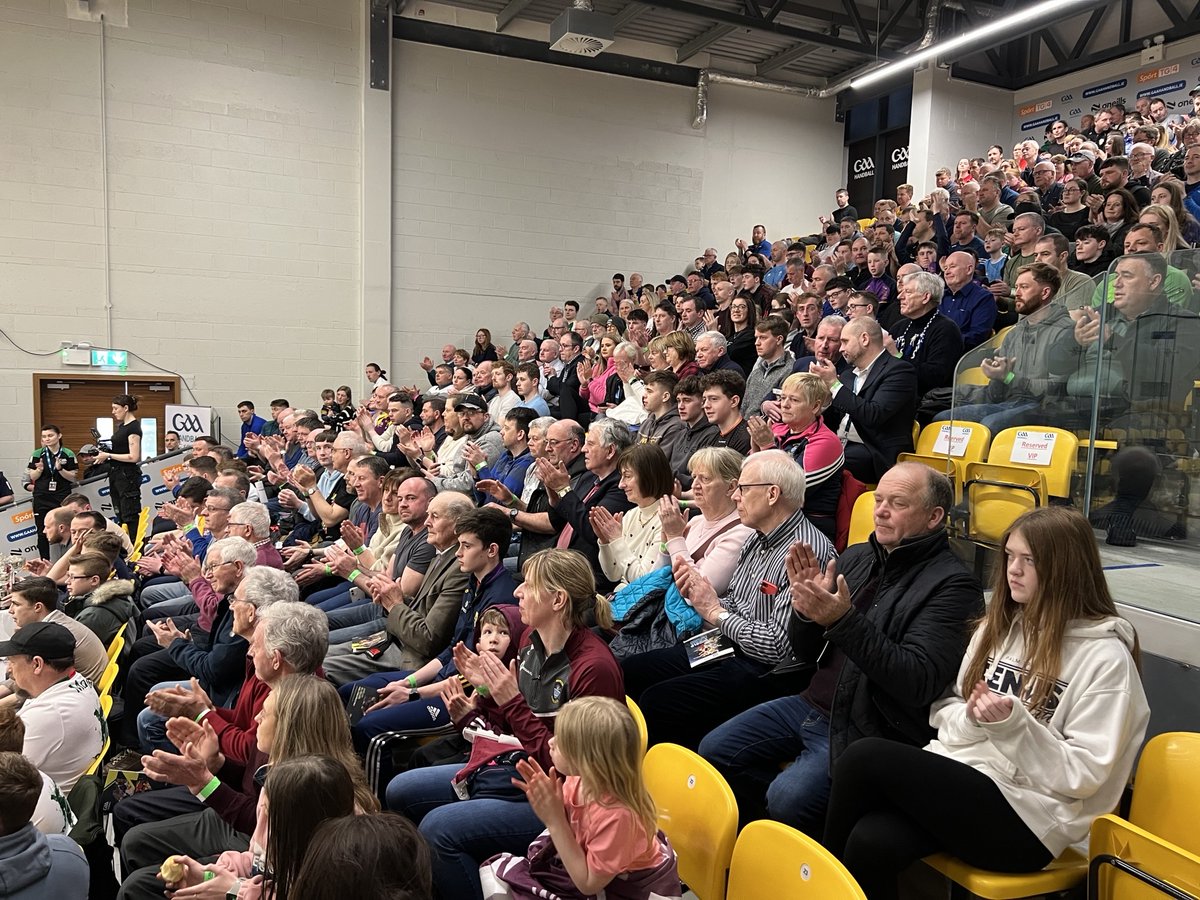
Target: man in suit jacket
pixel 874 403
pixel 420 627
pixel 565 385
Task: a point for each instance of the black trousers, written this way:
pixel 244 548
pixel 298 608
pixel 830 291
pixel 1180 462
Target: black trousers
pixel 202 835
pixel 147 670
pixel 893 804
pixel 682 704
pixel 860 462
pixel 125 491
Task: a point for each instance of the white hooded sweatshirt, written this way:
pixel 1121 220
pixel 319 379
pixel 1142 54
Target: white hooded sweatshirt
pixel 1061 766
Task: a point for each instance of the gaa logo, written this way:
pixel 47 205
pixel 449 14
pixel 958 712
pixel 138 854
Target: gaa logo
pixel 900 154
pixel 183 422
pixel 861 166
pixel 1075 112
pixel 1066 98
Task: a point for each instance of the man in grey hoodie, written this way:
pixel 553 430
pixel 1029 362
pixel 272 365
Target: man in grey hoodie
pixel 33 865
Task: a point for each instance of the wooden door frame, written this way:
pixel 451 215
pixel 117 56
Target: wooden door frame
pixel 40 378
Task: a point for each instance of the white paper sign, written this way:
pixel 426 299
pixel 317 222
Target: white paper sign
pixel 952 440
pixel 189 421
pixel 1033 448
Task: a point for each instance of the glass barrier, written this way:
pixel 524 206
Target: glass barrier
pixel 1092 403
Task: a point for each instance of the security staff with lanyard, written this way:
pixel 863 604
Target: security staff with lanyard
pixel 52 473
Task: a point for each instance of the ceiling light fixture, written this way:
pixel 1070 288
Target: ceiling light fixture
pixel 1011 22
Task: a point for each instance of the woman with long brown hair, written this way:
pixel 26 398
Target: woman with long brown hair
pixel 1037 739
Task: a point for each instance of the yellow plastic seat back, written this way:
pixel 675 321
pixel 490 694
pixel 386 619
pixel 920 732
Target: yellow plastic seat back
pixel 862 518
pixel 1122 855
pixel 997 495
pixel 640 721
pixel 697 812
pixel 118 643
pixel 1051 451
pixel 107 679
pixel 1166 789
pixel 773 860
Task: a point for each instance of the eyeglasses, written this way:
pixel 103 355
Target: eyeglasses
pixel 213 509
pixel 554 442
pixel 210 568
pixel 742 487
pixel 859 305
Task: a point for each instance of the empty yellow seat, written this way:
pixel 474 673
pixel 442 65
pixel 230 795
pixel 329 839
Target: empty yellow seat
pixel 773 860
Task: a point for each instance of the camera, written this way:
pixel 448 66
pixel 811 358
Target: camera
pixel 337 418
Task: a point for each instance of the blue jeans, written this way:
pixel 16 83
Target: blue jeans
pixel 461 833
pixel 749 748
pixel 995 416
pixel 152 728
pixel 414 716
pixel 330 598
pixel 355 621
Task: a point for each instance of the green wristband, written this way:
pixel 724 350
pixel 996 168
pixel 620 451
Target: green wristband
pixel 360 551
pixel 411 681
pixel 480 466
pixel 1010 377
pixel 328 569
pixel 207 790
pixel 354 575
pixel 209 876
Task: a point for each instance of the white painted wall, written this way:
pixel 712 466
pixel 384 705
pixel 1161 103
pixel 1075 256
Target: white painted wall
pixel 519 185
pixel 233 166
pixel 952 119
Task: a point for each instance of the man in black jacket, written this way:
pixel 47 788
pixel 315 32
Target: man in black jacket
pixel 874 402
pixel 565 385
pixel 886 625
pixel 572 500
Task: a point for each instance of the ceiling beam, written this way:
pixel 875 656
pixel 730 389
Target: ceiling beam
pixel 1053 45
pixel 505 17
pixel 851 8
pixel 909 28
pixel 1085 36
pixel 741 20
pixel 701 41
pixel 1172 13
pixel 890 26
pixel 784 58
pixel 628 13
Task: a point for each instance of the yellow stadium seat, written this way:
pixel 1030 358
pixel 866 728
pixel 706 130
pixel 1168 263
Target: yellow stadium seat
pixel 1058 470
pixel 118 642
pixel 972 376
pixel 773 860
pixel 948 447
pixel 862 518
pixel 640 721
pixel 697 812
pixel 1130 863
pixel 107 679
pixel 1166 792
pixel 143 523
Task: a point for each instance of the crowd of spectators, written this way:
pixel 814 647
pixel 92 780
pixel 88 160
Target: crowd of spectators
pixel 573 513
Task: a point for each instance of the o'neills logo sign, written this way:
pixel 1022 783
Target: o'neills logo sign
pixel 1040 106
pixel 863 168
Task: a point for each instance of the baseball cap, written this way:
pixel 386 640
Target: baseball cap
pixel 1081 156
pixel 49 640
pixel 1194 91
pixel 470 401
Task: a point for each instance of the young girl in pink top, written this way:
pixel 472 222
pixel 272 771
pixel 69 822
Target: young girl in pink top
pixel 601 835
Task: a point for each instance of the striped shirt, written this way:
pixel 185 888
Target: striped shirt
pixel 758 618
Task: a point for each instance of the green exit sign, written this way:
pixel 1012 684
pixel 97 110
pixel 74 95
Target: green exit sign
pixel 110 359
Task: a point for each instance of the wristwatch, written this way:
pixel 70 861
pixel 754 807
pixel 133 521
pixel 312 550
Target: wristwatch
pixel 413 694
pixel 512 514
pixel 562 492
pixel 722 616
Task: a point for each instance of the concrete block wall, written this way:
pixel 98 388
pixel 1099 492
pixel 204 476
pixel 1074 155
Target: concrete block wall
pixel 519 185
pixel 233 179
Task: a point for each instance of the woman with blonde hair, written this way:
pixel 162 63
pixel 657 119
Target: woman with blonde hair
pixel 467 817
pixel 805 437
pixel 656 354
pixel 601 834
pixel 1164 218
pixel 680 352
pixel 1038 738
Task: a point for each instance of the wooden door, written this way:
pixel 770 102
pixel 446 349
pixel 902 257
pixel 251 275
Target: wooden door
pixel 75 402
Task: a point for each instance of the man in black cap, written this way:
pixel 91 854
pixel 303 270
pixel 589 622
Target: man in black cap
pixel 64 729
